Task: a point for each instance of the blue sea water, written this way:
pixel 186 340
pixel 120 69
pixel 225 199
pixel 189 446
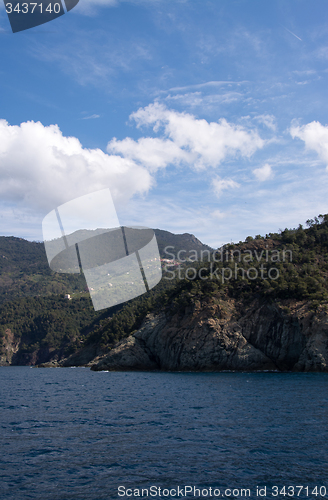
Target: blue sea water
pixel 76 434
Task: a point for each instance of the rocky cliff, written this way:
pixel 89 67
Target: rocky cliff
pixel 257 305
pixel 9 346
pixel 215 335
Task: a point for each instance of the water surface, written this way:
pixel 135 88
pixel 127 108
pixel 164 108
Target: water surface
pixel 76 434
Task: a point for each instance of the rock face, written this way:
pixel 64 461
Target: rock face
pixel 9 346
pixel 219 335
pixel 11 353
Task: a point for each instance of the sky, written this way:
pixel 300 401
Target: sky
pixel 201 116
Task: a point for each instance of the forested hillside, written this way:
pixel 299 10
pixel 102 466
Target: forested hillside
pixel 36 322
pixel 298 259
pixel 40 325
pixel 259 305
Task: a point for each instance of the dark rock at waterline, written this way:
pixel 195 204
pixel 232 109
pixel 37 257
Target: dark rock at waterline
pixel 218 335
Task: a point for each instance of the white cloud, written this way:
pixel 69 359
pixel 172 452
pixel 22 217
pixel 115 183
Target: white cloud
pixel 304 72
pixel 268 121
pixel 315 137
pixel 40 168
pixel 217 83
pixel 91 117
pixel 205 102
pixel 154 153
pixel 86 64
pixel 217 214
pixel 186 139
pixel 263 173
pixel 220 185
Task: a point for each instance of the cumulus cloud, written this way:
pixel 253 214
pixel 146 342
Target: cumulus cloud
pixel 220 185
pixel 263 173
pixel 187 139
pixel 315 137
pixel 154 153
pixel 41 168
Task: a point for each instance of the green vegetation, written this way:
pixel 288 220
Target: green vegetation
pixel 40 318
pixel 300 257
pixel 34 311
pixel 24 272
pixel 51 322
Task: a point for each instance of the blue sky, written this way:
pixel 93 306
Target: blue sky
pixel 207 117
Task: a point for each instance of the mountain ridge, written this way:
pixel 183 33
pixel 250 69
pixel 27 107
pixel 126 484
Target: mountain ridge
pixel 257 305
pixel 36 323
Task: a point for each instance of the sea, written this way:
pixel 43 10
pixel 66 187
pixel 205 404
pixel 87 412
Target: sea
pixel 70 433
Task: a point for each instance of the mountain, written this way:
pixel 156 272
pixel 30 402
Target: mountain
pixel 24 272
pixel 258 305
pixel 24 268
pixel 36 323
pixel 261 304
pixel 170 244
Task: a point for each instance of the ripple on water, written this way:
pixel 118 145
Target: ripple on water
pixel 76 434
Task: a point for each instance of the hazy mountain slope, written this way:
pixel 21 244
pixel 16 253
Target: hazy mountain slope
pixel 36 323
